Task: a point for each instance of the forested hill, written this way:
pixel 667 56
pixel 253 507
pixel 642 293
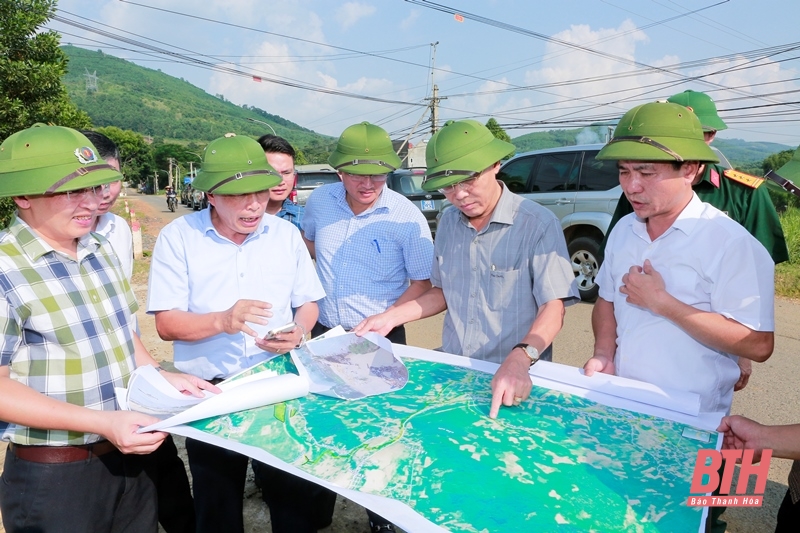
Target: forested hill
pixel 155 104
pixel 742 154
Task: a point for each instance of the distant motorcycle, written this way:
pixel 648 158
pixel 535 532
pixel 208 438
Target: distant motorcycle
pixel 172 201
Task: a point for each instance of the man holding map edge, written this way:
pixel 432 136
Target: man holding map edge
pixel 217 278
pixel 500 265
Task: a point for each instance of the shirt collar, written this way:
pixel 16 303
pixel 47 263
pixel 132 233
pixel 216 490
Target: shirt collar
pixel 287 207
pixel 686 221
pixel 105 224
pixel 503 212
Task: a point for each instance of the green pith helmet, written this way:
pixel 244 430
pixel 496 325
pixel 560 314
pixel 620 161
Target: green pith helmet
pixel 659 131
pixel 791 170
pixel 50 159
pixel 701 105
pixel 235 165
pixel 364 149
pixel 459 150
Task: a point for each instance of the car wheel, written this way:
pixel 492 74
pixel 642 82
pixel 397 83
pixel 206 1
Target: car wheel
pixel 584 254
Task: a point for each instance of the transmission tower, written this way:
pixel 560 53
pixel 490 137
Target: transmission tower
pixel 91 81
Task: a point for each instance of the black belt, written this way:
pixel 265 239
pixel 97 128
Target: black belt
pixel 61 454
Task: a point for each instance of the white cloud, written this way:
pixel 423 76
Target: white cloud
pixel 409 21
pixel 352 12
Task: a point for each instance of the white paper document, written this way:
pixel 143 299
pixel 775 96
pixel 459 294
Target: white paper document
pixel 149 392
pixel 346 366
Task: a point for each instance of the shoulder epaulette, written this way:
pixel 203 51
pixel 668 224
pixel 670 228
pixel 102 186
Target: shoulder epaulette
pixel 745 179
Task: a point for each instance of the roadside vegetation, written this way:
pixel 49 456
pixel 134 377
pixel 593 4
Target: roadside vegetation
pixel 787 275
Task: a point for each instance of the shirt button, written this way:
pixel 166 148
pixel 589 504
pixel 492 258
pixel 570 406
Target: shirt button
pixel 241 275
pixel 474 268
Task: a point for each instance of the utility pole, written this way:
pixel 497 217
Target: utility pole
pixel 435 99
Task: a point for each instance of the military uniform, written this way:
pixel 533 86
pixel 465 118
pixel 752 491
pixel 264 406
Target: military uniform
pixel 742 199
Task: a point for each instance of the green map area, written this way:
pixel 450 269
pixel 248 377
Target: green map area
pixel 558 462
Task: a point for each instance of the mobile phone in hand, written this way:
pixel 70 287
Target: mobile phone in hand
pixel 271 334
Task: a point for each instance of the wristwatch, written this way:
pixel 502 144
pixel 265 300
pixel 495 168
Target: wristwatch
pixel 530 351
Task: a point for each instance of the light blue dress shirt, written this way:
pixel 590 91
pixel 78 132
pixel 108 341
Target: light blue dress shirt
pixel 365 261
pixel 195 269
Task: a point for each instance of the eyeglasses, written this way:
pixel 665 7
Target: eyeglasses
pixel 465 185
pixel 375 178
pixel 82 194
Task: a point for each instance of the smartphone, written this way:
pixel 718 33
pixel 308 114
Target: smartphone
pixel 283 329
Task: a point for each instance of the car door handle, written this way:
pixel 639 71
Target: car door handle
pixel 562 201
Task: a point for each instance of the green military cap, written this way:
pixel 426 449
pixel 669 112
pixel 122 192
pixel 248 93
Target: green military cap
pixel 658 131
pixel 235 165
pixel 50 159
pixel 364 149
pixel 701 105
pixel 791 170
pixel 459 150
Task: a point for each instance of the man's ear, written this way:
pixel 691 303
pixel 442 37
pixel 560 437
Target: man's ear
pixel 22 202
pixel 689 169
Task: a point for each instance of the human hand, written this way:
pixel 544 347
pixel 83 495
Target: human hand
pixel 511 384
pixel 381 324
pixel 741 433
pixel 120 427
pixel 599 363
pixel 282 342
pixel 745 369
pixel 644 287
pixel 254 311
pixel 188 384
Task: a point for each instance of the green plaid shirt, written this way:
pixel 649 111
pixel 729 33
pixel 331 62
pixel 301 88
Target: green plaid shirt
pixel 65 326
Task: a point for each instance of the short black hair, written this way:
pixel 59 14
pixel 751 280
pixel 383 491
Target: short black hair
pixel 106 148
pixel 272 144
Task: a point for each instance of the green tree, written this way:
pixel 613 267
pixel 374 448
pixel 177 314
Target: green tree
pixel 776 161
pixel 135 155
pixel 31 68
pixel 497 130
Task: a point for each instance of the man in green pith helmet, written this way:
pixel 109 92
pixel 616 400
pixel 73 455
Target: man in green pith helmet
pixel 500 267
pixel 373 247
pixel 740 196
pixel 68 340
pixel 219 280
pixel 677 268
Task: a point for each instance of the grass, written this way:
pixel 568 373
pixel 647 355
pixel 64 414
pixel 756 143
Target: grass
pixel 787 275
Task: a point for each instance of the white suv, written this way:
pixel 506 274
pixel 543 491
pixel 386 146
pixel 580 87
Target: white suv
pixel 582 192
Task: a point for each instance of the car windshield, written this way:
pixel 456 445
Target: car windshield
pixel 311 179
pixel 408 184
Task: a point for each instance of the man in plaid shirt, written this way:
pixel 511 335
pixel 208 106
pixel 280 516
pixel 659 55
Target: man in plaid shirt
pixel 66 343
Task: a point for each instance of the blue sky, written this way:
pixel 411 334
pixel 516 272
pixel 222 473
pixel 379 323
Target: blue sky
pixel 531 64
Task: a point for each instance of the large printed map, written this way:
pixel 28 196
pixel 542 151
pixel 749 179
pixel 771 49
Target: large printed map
pixel 558 462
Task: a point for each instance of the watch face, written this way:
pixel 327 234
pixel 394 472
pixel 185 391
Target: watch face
pixel 533 353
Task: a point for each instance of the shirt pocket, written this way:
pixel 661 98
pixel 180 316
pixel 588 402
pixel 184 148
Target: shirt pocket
pixel 384 258
pixel 502 289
